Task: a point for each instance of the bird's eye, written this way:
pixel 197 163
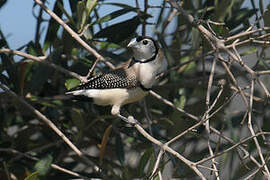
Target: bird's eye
pixel 145 42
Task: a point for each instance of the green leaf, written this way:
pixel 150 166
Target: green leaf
pixel 40 76
pixel 124 6
pixel 195 38
pixel 43 166
pixel 11 69
pixel 83 12
pixel 119 149
pixel 22 74
pixel 80 14
pixel 33 176
pixel 73 6
pixel 221 30
pixel 71 21
pixel 71 83
pixel 188 67
pixel 114 15
pixel 222 9
pixel 77 118
pixel 90 5
pixel 261 6
pixel 106 45
pixel 3 41
pixel 239 17
pixel 53 27
pixel 144 160
pixel 119 32
pixel 152 161
pixel 266 17
pixel 2 3
pixel 182 101
pixel 251 50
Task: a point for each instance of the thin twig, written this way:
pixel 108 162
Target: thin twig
pixel 160 154
pixel 91 70
pixel 74 34
pixel 170 150
pixel 54 166
pixel 174 106
pixel 42 60
pixel 43 118
pixel 6 170
pixel 252 130
pixel 232 147
pixel 207 102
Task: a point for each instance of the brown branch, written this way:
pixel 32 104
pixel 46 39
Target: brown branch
pixel 170 150
pixel 232 147
pixel 160 154
pixel 42 60
pixel 252 130
pixel 43 118
pixel 54 166
pixel 246 33
pixel 206 115
pixel 174 106
pixel 74 35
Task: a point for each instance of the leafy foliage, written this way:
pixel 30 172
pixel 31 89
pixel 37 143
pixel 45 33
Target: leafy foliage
pixel 116 151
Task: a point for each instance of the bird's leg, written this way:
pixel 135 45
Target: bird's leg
pixel 116 112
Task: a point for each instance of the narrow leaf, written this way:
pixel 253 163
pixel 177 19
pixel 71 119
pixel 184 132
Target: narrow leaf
pixel 77 118
pixel 33 176
pixel 71 83
pixel 22 73
pixel 120 149
pixel 261 6
pixel 43 165
pixel 80 14
pixel 251 50
pixel 104 143
pixel 144 160
pixel 53 26
pixel 266 17
pixel 90 5
pixel 119 32
pixel 114 15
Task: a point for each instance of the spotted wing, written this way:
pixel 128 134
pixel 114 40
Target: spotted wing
pixel 118 78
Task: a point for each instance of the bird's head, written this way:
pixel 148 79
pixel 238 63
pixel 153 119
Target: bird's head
pixel 144 48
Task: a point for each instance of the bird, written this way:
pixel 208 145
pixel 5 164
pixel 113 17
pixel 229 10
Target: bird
pixel 128 83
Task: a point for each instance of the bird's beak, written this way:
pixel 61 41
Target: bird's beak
pixel 132 43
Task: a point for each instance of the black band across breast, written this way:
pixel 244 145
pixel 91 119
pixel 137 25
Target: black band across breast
pixel 144 88
pixel 146 61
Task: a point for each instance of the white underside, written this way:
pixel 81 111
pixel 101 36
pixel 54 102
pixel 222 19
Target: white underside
pixel 147 72
pixel 117 96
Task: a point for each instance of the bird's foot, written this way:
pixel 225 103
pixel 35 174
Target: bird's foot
pixel 130 120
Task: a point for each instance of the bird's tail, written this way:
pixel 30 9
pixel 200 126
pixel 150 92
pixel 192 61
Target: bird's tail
pixel 79 95
pixel 68 97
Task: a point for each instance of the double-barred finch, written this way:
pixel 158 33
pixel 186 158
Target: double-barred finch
pixel 128 83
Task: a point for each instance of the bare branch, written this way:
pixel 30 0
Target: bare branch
pixel 252 130
pixel 54 166
pixel 43 61
pixel 232 147
pixel 43 118
pixel 170 150
pixel 74 35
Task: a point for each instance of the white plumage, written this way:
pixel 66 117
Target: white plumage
pixel 128 83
